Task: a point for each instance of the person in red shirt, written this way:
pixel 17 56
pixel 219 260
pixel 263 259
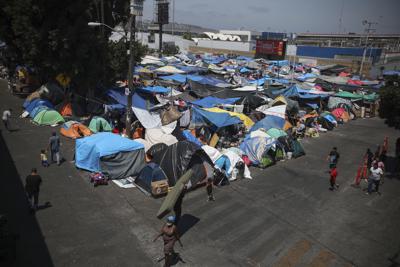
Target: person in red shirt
pixel 333 174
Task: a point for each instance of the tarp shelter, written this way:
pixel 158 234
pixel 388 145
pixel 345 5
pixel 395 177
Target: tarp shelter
pixel 48 117
pixel 176 159
pixel 255 147
pixel 37 110
pixel 111 154
pixel 246 120
pixel 169 69
pixel 155 90
pixel 74 130
pixel 211 101
pixel 29 106
pixel 279 111
pixel 269 122
pixel 99 124
pixel 150 173
pixel 201 117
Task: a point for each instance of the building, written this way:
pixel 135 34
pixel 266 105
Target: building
pixel 226 42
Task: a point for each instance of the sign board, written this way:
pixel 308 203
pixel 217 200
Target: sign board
pixel 291 50
pixel 271 47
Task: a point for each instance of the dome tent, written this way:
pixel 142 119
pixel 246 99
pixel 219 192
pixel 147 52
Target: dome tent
pixel 99 124
pixel 48 117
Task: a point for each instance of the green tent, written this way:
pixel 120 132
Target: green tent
pixel 276 133
pixel 48 117
pixel 99 124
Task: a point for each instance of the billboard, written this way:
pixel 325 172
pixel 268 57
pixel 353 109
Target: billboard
pixel 276 48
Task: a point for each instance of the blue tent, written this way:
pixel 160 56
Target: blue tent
pixel 202 117
pixel 269 122
pixel 211 101
pixel 330 118
pixel 110 153
pixel 31 105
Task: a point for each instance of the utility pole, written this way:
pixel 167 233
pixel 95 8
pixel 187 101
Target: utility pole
pixel 368 30
pixel 136 9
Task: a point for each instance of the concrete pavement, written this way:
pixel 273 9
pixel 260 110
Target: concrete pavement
pixel 285 216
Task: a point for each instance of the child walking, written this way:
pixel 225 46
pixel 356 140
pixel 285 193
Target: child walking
pixel 43 158
pixel 333 175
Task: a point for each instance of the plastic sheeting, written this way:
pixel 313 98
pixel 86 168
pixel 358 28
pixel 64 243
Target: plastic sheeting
pixel 211 101
pixel 255 147
pixel 269 122
pixel 202 117
pixel 246 120
pixel 90 150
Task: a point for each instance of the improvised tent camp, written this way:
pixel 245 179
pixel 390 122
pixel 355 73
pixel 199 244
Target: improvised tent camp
pixel 149 175
pixel 74 130
pixel 176 159
pixel 99 124
pixel 111 154
pixel 48 117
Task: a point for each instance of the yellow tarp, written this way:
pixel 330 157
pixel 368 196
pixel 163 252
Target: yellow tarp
pixel 246 120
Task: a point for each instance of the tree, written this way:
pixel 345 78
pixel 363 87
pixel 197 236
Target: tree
pixel 390 98
pixel 53 36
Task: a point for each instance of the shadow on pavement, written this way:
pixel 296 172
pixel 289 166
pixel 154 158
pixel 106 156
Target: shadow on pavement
pixel 28 245
pixel 392 168
pixel 186 222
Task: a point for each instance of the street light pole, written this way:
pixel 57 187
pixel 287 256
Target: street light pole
pixel 368 30
pixel 131 86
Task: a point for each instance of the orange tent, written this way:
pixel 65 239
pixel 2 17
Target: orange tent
pixel 66 110
pixel 287 126
pixel 74 130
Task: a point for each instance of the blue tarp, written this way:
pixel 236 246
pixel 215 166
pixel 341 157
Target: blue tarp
pixel 279 62
pixel 137 100
pixel 391 72
pixel 255 147
pixel 155 90
pixel 197 78
pixel 202 117
pixel 191 69
pixel 89 150
pixel 244 58
pixel 296 92
pixel 31 105
pixel 189 136
pixel 269 122
pixel 306 76
pixel 211 101
pixel 244 70
pixel 36 111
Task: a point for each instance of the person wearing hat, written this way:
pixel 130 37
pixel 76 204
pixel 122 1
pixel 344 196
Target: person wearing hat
pixel 170 235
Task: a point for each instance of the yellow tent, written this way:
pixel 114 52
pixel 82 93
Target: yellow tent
pixel 246 120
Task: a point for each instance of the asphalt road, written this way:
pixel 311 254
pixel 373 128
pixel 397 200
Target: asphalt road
pixel 285 216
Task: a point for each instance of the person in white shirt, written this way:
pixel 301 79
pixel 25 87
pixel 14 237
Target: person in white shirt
pixel 6 118
pixel 374 178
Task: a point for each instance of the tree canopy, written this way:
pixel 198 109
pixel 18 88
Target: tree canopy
pixel 390 98
pixel 54 37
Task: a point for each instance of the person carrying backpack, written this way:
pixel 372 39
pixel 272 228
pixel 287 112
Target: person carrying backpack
pixel 333 158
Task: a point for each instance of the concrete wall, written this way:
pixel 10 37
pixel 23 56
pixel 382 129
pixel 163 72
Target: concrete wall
pixel 226 45
pixel 183 44
pixel 199 50
pixel 332 52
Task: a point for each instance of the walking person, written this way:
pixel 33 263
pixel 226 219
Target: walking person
pixel 374 178
pixel 54 145
pixel 333 174
pixel 333 158
pixel 169 233
pixel 43 158
pixel 32 188
pixel 6 118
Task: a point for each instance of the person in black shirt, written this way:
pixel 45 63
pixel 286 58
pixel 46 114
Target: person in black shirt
pixel 32 186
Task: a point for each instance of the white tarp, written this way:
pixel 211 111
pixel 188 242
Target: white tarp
pixel 170 69
pixel 148 119
pixel 278 111
pixel 155 136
